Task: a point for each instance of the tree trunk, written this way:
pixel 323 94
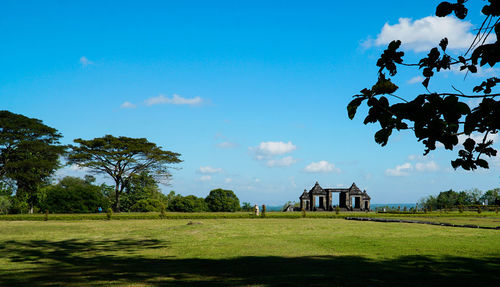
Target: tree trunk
pixel 117 198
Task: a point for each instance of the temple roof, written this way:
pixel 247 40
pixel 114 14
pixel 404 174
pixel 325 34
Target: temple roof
pixel 317 189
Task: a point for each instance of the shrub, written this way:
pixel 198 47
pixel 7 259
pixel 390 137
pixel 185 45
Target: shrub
pixel 46 215
pixel 109 213
pixel 4 204
pixel 222 200
pixel 337 209
pixel 188 203
pixel 404 209
pixel 162 213
pixel 461 208
pixel 479 209
pixel 73 195
pixel 304 213
pixel 148 205
pixel 263 213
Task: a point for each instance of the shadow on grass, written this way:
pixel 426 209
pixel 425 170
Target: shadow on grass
pixel 72 262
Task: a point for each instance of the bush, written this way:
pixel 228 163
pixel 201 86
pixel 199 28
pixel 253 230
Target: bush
pixel 304 213
pixel 479 209
pixel 46 215
pixel 163 214
pixel 73 195
pixel 461 208
pixel 337 209
pixel 246 206
pixel 148 205
pixel 4 204
pixel 220 200
pixel 109 213
pixel 188 203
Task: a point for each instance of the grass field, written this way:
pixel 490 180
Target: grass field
pixel 245 252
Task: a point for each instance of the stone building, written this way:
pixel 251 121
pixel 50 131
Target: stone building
pixel 320 199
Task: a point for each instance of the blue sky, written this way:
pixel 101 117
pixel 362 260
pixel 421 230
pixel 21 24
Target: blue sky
pixel 253 94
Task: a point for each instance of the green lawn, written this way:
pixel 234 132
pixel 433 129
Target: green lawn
pixel 228 252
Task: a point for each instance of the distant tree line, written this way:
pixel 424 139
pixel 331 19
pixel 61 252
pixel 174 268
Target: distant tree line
pixel 451 198
pixel 30 154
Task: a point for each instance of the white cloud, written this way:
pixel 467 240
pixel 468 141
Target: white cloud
pixel 321 166
pixel 478 138
pixel 227 145
pixel 274 148
pixel 205 178
pixel 228 180
pixel 415 80
pixel 285 161
pixel 209 170
pixel 127 105
pixel 175 100
pixel 426 166
pixel 400 170
pixel 423 34
pixel 85 62
pixel 406 168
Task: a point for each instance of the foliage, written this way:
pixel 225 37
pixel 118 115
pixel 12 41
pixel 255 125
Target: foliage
pixel 337 209
pixel 163 214
pixel 188 203
pixel 221 200
pixel 440 117
pixel 4 204
pixel 304 214
pixel 73 195
pixel 46 215
pixel 109 213
pixel 246 206
pixel 148 205
pixel 491 196
pixel 142 187
pixel 452 198
pixel 7 187
pixel 122 158
pixel 29 153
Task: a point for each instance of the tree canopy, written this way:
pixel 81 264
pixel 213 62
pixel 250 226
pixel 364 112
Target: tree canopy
pixel 222 200
pixel 441 116
pixel 122 158
pixel 29 153
pixel 73 195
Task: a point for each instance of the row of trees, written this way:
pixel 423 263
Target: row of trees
pixel 31 152
pixel 451 198
pixel 142 194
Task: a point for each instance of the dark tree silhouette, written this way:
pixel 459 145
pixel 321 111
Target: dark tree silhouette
pixel 437 116
pixel 29 153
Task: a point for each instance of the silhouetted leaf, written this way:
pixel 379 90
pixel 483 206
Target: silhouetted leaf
pixel 353 106
pixel 482 163
pixel 444 9
pixel 426 82
pixel 443 44
pixel 469 144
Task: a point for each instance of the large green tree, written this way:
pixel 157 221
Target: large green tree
pixel 29 153
pixel 222 200
pixel 441 116
pixel 123 158
pixel 73 195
